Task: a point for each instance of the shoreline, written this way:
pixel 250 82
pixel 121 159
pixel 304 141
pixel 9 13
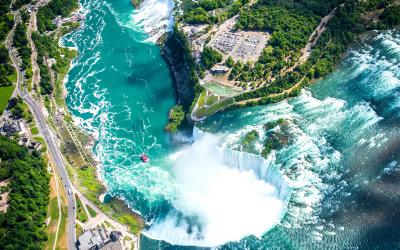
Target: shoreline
pixel 328 58
pixel 116 208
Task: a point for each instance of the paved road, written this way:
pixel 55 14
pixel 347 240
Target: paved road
pixel 49 137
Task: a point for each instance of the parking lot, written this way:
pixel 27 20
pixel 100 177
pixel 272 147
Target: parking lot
pixel 242 45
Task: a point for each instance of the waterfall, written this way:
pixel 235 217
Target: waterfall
pixel 155 17
pixel 264 169
pixel 219 186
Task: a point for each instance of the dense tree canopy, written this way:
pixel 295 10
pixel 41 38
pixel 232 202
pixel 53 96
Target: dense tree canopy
pixel 22 227
pixel 6 19
pixel 49 12
pixel 6 23
pixel 211 11
pixel 391 16
pixel 46 48
pixel 20 42
pixel 210 57
pixel 19 3
pixel 176 118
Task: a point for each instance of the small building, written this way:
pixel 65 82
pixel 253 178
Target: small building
pixel 10 127
pixel 58 21
pixel 90 240
pixel 21 125
pixel 97 239
pixel 115 235
pixel 219 69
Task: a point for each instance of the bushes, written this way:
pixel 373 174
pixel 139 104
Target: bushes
pixel 20 42
pixel 22 227
pixel 210 57
pixel 391 16
pixel 197 16
pixel 249 140
pixel 176 118
pixel 19 109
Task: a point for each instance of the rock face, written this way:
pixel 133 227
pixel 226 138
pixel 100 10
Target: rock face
pixel 179 62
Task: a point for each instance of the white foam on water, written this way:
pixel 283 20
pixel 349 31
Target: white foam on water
pixel 220 189
pixel 220 192
pixel 154 17
pixel 379 67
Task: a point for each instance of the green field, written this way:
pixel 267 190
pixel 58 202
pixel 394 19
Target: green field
pixel 221 90
pixel 34 130
pixel 91 211
pixel 207 111
pixel 13 78
pixel 5 94
pixel 80 211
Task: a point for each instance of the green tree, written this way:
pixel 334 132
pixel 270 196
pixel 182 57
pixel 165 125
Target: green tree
pixel 210 57
pixel 229 62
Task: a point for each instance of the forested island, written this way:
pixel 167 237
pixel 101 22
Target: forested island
pixel 263 51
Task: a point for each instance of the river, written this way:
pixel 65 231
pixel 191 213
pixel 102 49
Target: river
pixel 334 183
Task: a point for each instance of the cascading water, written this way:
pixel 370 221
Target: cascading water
pixel 329 181
pixel 223 195
pixel 155 17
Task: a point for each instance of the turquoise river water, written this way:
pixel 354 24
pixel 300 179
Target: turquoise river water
pixel 333 185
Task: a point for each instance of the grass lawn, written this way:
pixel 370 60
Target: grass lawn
pixel 5 94
pixel 115 208
pixel 79 230
pixel 62 232
pixel 203 111
pixel 34 130
pixel 53 213
pixel 202 99
pixel 13 78
pixel 211 99
pixel 40 140
pixel 80 211
pixel 91 211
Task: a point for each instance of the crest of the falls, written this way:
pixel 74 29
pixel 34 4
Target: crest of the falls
pixel 220 188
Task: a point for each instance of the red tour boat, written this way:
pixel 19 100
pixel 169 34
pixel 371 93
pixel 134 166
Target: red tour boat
pixel 144 158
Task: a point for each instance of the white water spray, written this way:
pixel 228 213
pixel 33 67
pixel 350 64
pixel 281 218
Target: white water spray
pixel 155 17
pixel 224 196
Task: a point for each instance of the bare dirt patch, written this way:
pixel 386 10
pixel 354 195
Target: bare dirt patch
pixel 4 197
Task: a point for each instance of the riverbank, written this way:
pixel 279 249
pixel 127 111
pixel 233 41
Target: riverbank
pixel 324 51
pixel 76 146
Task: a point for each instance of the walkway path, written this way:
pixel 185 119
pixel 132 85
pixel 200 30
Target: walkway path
pixel 312 41
pixel 305 54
